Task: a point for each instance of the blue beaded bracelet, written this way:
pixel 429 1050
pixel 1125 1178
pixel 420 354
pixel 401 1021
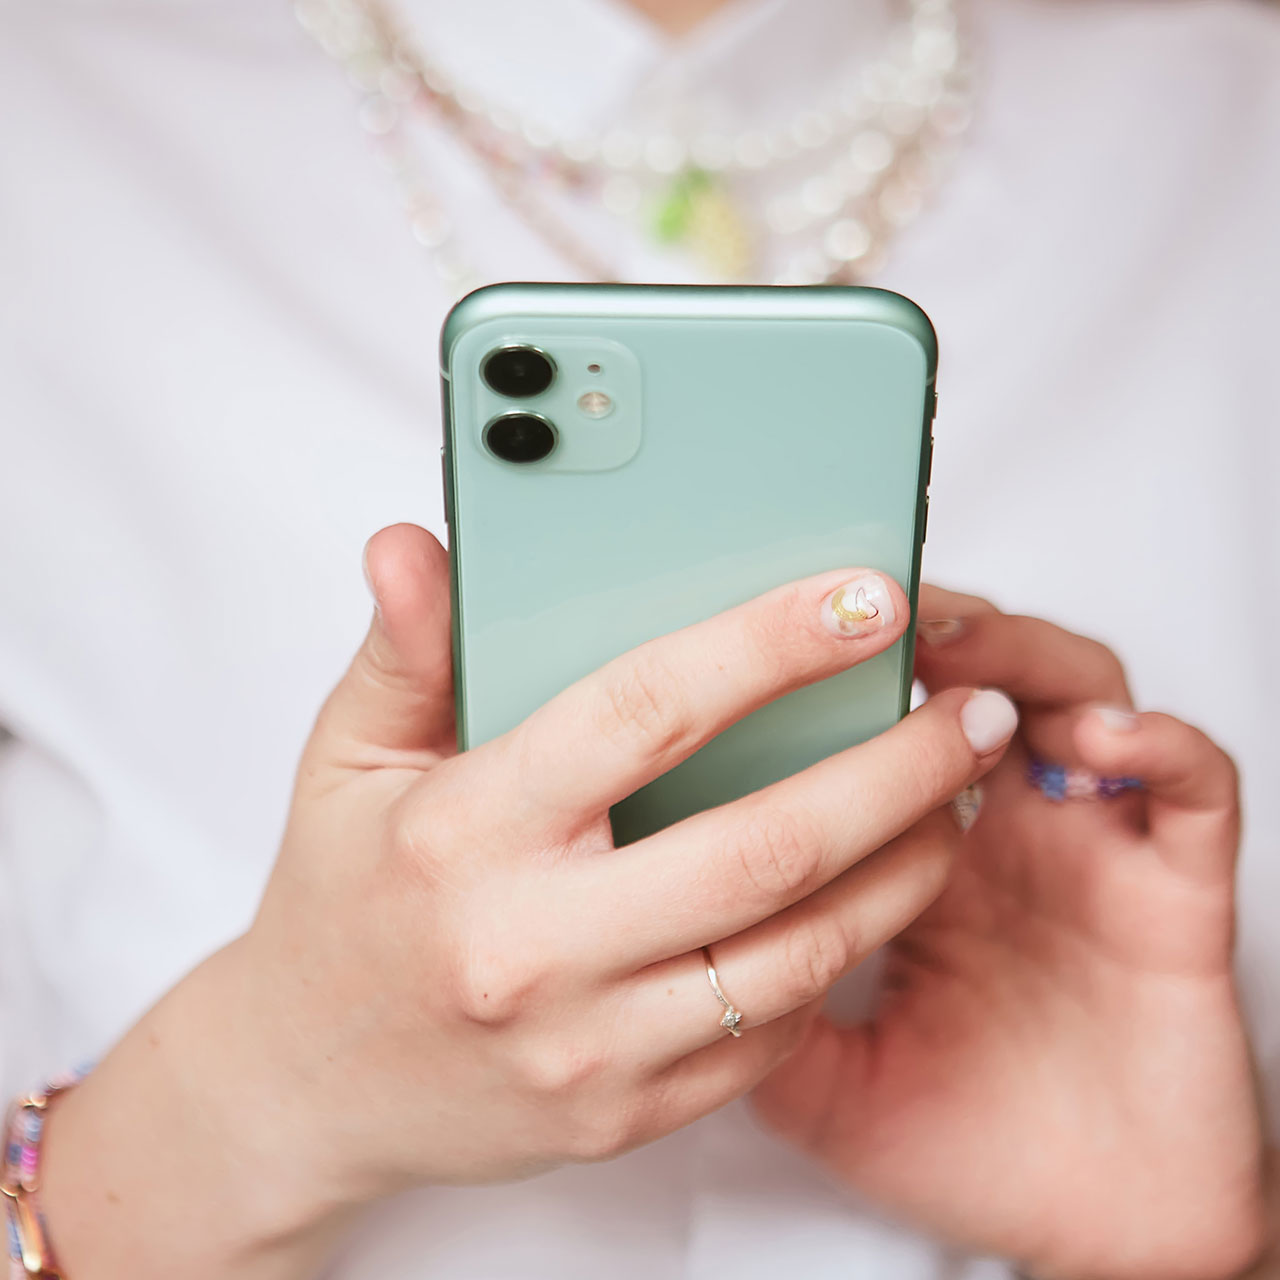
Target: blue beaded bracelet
pixel 1057 783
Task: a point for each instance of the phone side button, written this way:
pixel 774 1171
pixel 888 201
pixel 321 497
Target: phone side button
pixel 444 488
pixel 924 532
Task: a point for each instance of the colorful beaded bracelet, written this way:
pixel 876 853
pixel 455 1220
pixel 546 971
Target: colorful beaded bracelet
pixel 27 1237
pixel 1056 782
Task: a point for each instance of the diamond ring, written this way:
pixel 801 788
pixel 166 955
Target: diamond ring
pixel 731 1020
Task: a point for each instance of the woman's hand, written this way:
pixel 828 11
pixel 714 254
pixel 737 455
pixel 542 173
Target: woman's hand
pixel 454 977
pixel 1058 1072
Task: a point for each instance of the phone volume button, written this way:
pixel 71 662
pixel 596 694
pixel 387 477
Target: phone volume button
pixel 444 488
pixel 924 531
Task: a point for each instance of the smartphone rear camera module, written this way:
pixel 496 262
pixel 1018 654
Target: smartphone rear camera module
pixel 520 437
pixel 518 371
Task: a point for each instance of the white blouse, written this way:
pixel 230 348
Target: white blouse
pixel 218 377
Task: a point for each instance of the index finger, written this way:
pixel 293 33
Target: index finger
pixel 1034 661
pixel 640 715
pixel 940 604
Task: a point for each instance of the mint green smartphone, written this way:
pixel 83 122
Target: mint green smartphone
pixel 623 460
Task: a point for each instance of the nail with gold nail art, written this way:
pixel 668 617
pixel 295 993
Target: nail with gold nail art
pixel 859 607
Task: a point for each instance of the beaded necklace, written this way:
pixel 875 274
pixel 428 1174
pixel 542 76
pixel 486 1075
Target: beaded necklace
pixel 814 199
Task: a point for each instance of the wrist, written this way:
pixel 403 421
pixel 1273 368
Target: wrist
pixel 180 1154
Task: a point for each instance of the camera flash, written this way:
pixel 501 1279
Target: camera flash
pixel 595 404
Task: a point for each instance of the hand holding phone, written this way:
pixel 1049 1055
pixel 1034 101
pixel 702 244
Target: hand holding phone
pixel 453 977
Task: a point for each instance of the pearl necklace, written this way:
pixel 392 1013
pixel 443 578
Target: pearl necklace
pixel 831 184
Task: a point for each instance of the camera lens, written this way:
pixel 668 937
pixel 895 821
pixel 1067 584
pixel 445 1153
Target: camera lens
pixel 520 437
pixel 518 371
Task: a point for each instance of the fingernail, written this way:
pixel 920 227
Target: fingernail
pixel 1117 719
pixel 368 581
pixel 860 607
pixel 936 632
pixel 966 807
pixel 988 720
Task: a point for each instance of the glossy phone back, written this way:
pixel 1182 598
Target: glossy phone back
pixel 759 435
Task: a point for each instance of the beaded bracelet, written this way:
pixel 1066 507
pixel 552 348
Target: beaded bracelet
pixel 27 1236
pixel 1056 782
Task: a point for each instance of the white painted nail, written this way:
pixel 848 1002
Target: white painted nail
pixel 936 632
pixel 988 719
pixel 860 607
pixel 1117 719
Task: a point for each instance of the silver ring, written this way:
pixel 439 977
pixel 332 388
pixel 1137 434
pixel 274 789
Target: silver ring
pixel 731 1020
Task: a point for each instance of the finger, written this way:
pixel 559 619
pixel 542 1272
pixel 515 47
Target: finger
pixel 608 735
pixel 719 1073
pixel 397 695
pixel 795 957
pixel 668 1100
pixel 937 608
pixel 726 869
pixel 1191 784
pixel 1048 670
pixel 1035 662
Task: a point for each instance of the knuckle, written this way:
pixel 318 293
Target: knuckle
pixel 645 705
pixel 417 835
pixel 1231 775
pixel 428 847
pixel 603 1136
pixel 560 1069
pixel 1216 757
pixel 1215 764
pixel 1106 663
pixel 494 986
pixel 816 955
pixel 776 854
pixel 436 815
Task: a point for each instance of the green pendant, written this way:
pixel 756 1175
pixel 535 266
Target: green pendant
pixel 697 211
pixel 674 213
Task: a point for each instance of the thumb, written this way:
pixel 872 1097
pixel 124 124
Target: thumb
pixel 397 695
